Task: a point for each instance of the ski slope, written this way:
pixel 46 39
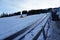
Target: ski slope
pixel 11 25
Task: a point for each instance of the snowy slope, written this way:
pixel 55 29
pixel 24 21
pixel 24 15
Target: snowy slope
pixel 11 25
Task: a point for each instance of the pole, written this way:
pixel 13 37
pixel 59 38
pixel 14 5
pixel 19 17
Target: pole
pixel 21 15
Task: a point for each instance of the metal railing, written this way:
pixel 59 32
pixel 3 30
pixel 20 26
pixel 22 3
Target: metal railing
pixel 43 30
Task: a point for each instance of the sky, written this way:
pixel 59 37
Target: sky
pixel 11 6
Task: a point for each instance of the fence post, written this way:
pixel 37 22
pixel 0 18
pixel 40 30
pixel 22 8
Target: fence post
pixel 44 36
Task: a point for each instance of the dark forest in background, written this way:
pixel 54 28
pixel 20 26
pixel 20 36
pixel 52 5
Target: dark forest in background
pixel 30 12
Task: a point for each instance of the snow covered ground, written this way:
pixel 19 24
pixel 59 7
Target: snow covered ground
pixel 11 25
pixel 54 31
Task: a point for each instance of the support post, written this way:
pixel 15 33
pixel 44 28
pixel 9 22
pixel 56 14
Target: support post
pixel 44 36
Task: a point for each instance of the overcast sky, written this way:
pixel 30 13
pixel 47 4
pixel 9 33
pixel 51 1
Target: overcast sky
pixel 10 6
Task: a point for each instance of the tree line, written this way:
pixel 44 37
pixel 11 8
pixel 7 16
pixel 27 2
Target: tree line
pixel 30 12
